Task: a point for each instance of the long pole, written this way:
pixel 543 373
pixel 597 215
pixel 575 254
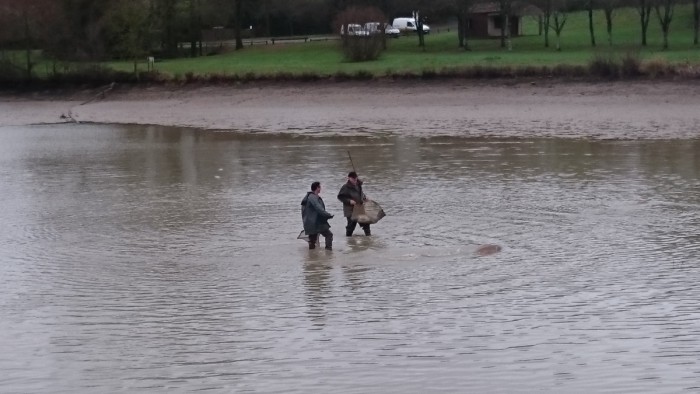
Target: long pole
pixel 351 162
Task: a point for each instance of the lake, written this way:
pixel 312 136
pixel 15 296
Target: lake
pixel 153 259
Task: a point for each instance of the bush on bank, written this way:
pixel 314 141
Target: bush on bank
pixel 600 67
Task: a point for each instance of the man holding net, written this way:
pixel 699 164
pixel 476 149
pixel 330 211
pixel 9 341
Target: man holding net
pixel 351 195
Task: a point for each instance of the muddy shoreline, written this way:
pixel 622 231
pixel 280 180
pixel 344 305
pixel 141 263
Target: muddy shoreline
pixel 600 110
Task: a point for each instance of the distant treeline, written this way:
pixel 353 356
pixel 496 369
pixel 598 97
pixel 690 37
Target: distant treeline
pixel 75 30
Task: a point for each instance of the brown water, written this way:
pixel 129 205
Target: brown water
pixel 145 259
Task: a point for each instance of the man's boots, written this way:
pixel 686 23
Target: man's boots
pixel 313 238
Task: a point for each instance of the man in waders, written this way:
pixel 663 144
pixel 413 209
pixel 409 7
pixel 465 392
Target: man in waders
pixel 350 195
pixel 315 217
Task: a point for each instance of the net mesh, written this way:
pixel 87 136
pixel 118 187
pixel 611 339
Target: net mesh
pixel 368 213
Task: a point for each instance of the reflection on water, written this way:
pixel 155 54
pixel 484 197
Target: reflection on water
pixel 142 259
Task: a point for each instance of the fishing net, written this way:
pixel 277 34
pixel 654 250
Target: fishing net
pixel 368 213
pixel 305 237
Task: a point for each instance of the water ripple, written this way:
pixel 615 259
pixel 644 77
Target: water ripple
pixel 167 261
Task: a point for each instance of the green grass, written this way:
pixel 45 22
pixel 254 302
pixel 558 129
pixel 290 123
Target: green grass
pixel 324 58
pixel 403 56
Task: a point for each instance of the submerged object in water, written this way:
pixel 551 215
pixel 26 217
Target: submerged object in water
pixel 485 250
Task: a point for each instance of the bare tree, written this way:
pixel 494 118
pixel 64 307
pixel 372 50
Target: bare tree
pixel 664 12
pixel 238 22
pixel 419 28
pixel 589 7
pixel 546 7
pixel 644 9
pixel 609 9
pixel 506 11
pixel 195 27
pixel 463 8
pixel 558 20
pixel 696 20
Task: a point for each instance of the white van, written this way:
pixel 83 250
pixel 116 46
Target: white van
pixel 353 29
pixel 408 25
pixel 389 30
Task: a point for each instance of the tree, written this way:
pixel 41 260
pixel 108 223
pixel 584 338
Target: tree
pixel 463 8
pixel 664 13
pixel 127 30
pixel 589 7
pixel 558 20
pixel 546 7
pixel 238 22
pixel 506 11
pixel 644 10
pixel 356 45
pixel 166 14
pixel 195 26
pixel 419 28
pixel 609 8
pixel 25 23
pixel 696 20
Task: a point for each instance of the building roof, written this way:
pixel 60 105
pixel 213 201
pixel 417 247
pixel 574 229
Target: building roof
pixel 494 7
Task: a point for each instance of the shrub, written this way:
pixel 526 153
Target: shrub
pixel 572 71
pixel 657 67
pixel 688 70
pixel 362 45
pixel 362 48
pixel 10 73
pixel 363 75
pixel 631 65
pixel 341 76
pixel 429 74
pixel 604 66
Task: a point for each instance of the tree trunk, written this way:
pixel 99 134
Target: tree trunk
pixel 608 24
pixel 508 33
pixel 503 28
pixel 169 39
pixel 644 10
pixel 419 29
pixel 238 20
pixel 590 21
pixel 665 18
pixel 558 42
pixel 465 31
pixel 547 19
pixel 696 20
pixel 193 29
pixel 460 29
pixel 559 23
pixel 27 43
pixel 665 30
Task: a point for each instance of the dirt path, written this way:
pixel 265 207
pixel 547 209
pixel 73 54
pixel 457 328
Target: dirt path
pixel 592 110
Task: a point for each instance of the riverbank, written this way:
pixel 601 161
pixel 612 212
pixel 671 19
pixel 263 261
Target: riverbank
pixel 541 108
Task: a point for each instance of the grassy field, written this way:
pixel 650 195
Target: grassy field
pixel 441 52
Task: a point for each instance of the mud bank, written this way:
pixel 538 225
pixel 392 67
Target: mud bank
pixel 613 110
